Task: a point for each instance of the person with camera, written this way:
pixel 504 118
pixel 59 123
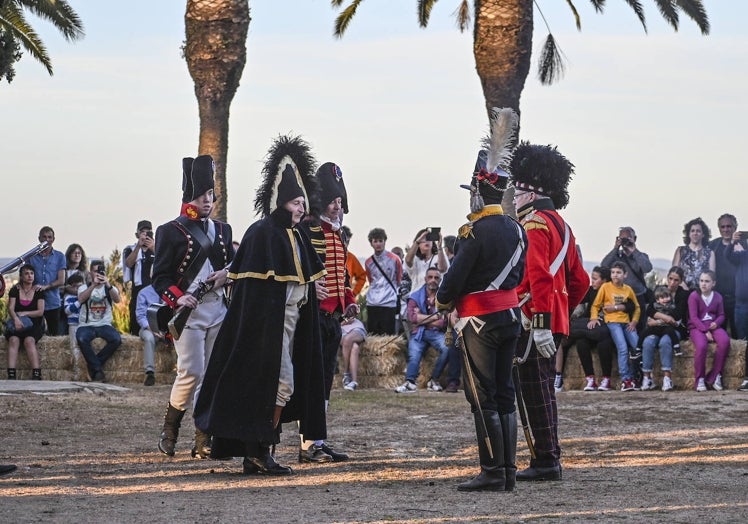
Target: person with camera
pixel 137 262
pixel 95 320
pixel 426 251
pixel 385 272
pixel 637 264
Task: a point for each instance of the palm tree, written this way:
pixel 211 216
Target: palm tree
pixel 216 51
pixel 502 41
pixel 14 29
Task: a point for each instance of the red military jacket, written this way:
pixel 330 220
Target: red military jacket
pixel 552 296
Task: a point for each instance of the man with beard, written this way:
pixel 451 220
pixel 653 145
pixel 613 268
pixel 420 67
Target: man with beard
pixel 191 249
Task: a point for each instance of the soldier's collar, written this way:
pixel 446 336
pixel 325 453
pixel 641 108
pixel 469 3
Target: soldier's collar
pixel 491 209
pixel 540 204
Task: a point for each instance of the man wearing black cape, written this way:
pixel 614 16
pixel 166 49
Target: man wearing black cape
pixel 266 366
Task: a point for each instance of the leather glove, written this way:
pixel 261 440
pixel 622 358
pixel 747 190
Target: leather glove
pixel 544 342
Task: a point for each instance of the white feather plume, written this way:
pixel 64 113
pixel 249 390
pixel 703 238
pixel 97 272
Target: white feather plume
pixel 500 141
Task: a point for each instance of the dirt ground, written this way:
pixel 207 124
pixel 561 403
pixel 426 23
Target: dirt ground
pixel 90 456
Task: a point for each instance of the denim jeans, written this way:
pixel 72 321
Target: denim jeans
pixel 741 320
pixel 623 339
pixel 416 349
pixel 86 334
pixel 666 352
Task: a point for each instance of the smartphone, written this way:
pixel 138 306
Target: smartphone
pixel 743 235
pixel 433 233
pixel 149 234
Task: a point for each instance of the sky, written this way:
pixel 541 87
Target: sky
pixel 654 122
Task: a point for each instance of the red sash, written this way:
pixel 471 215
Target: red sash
pixel 484 302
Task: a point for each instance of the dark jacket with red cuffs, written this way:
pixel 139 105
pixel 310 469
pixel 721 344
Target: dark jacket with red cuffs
pixel 177 249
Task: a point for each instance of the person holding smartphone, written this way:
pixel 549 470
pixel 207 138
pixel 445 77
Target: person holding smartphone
pixel 426 251
pixel 137 261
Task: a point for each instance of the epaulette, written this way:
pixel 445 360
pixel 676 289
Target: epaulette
pixel 534 221
pixel 466 230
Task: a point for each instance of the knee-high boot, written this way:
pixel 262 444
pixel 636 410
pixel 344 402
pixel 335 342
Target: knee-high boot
pixel 509 430
pixel 492 476
pixel 172 422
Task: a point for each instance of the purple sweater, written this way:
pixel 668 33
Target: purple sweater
pixel 697 309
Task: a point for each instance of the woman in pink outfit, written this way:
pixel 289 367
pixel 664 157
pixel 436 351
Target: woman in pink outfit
pixel 706 315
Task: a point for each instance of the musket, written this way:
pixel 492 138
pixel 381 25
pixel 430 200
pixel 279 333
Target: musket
pixel 13 264
pixel 421 323
pixel 182 314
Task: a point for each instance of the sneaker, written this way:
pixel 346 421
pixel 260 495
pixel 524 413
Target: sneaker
pixel 434 385
pixel 150 379
pixel 346 378
pixel 407 387
pixel 351 386
pixel 667 384
pixel 605 385
pixel 648 384
pixel 701 385
pixel 558 384
pixel 454 386
pixel 628 385
pixel 635 353
pixel 717 385
pixel 743 385
pixel 591 384
pixel 677 350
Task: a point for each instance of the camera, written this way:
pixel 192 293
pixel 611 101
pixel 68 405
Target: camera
pixel 433 234
pixel 626 242
pixel 100 270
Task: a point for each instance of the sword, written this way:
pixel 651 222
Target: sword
pixel 522 407
pixel 473 390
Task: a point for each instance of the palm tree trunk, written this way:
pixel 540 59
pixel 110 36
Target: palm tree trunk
pixel 502 45
pixel 216 51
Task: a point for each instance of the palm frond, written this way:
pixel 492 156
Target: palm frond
pixel 462 15
pixel 576 14
pixel 639 10
pixel 58 13
pixel 551 64
pixel 336 3
pixel 424 11
pixel 668 11
pixel 345 17
pixel 598 5
pixel 694 9
pixel 13 21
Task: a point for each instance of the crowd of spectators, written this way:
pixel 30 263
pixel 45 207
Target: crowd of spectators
pixel 704 297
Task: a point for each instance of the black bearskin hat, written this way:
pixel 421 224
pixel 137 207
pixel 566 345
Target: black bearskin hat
pixel 197 177
pixel 287 174
pixel 542 170
pixel 330 179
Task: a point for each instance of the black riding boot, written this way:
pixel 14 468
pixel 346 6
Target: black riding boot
pixel 492 476
pixel 202 445
pixel 264 463
pixel 172 421
pixel 509 430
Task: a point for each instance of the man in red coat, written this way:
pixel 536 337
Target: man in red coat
pixel 555 281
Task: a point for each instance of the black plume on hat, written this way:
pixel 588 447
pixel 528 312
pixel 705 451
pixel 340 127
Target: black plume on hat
pixel 330 179
pixel 287 174
pixel 197 177
pixel 542 170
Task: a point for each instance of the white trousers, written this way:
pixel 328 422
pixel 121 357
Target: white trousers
pixel 295 294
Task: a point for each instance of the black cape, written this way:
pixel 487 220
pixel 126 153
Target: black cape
pixel 237 398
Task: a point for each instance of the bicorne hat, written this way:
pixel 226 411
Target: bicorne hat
pixel 330 179
pixel 287 173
